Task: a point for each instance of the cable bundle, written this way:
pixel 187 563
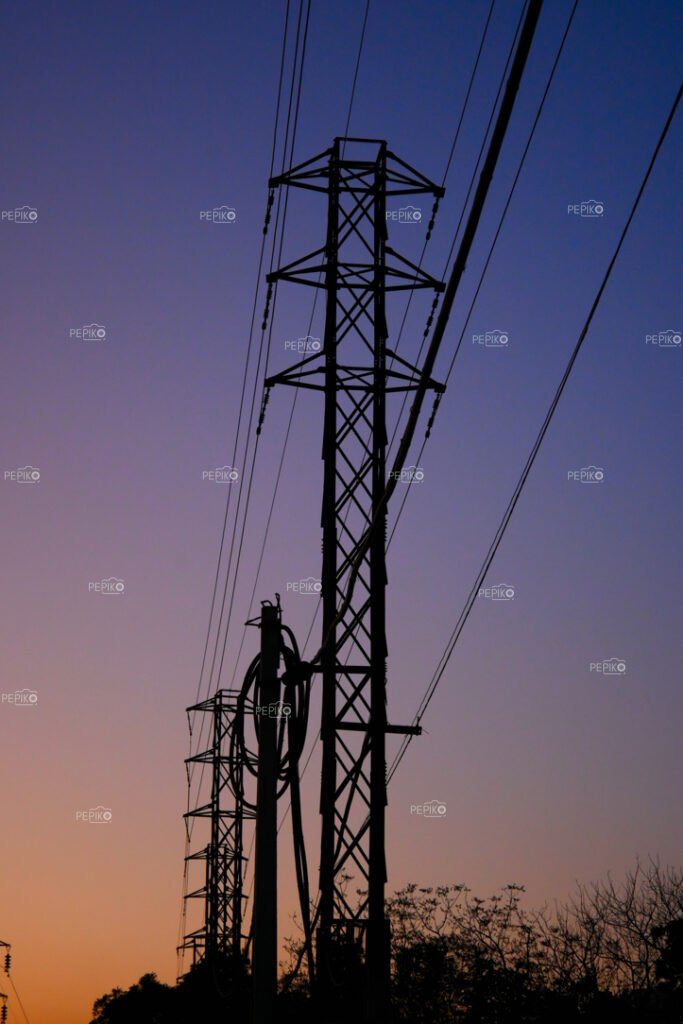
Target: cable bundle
pixel 291 737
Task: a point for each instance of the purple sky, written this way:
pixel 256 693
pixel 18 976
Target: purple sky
pixel 121 123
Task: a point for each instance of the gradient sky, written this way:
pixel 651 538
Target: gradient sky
pixel 121 122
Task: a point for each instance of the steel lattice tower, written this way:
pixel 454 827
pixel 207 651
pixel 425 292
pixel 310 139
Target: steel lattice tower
pixel 357 269
pixel 220 936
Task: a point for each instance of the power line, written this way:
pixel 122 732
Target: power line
pixel 296 61
pixel 425 379
pixel 508 93
pixel 473 177
pixel 354 400
pixel 451 153
pixel 257 375
pixel 244 383
pixel 295 89
pixel 297 966
pixel 443 180
pixel 238 428
pixel 495 238
pixel 295 397
pixel 280 467
pixel 445 658
pixel 21 1005
pixel 248 355
pixel 253 313
pixel 355 73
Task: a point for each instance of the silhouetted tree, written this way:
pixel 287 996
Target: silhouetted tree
pixel 148 1000
pixel 669 967
pixel 611 955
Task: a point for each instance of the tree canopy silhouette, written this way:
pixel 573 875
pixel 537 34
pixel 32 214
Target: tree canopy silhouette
pixel 613 954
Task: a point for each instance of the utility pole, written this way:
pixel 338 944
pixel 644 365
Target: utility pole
pixel 265 872
pixel 357 270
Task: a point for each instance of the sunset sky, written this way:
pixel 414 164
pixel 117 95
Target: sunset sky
pixel 121 123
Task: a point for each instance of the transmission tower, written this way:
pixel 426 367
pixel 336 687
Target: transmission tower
pixel 7 964
pixel 357 269
pixel 220 936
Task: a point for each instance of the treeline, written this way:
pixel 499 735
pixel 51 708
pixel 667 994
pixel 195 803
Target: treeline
pixel 614 953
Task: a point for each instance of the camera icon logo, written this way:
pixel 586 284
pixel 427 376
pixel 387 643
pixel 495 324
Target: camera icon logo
pixel 26 698
pixel 310 585
pixel 592 208
pixel 94 332
pixel 24 215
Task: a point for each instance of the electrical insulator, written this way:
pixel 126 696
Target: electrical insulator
pixel 3 1014
pixel 8 962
